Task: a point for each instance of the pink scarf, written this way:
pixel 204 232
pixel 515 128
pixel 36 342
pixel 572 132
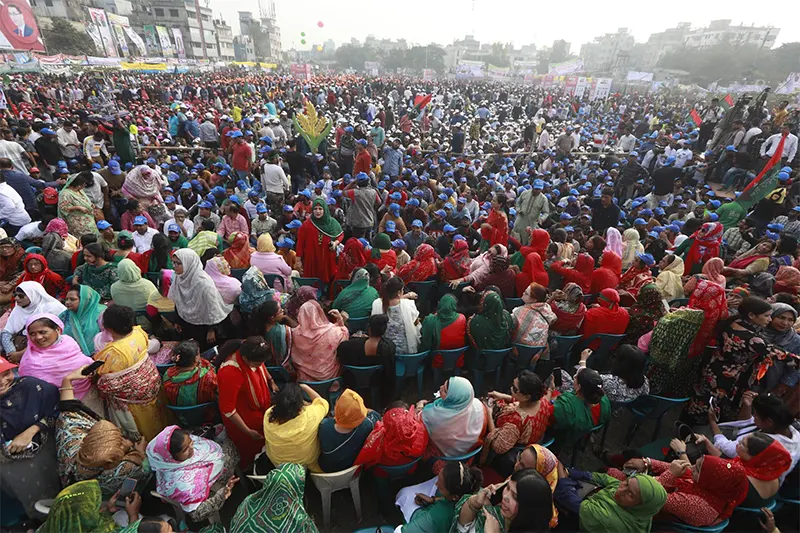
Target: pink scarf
pixel 314 344
pixel 229 287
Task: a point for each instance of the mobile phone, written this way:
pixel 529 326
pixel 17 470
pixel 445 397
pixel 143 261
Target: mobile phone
pixel 557 382
pixel 629 471
pixel 91 368
pixel 128 486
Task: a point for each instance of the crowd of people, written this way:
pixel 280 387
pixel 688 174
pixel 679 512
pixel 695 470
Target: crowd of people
pixel 193 286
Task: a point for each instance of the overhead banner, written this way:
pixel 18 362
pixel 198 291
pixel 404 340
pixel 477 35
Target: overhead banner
pixel 791 84
pixel 98 18
pixel 136 40
pixel 145 67
pixel 179 46
pixel 428 74
pixel 301 70
pixel 18 27
pixel 94 33
pixel 469 69
pixel 119 33
pixel 499 73
pixel 635 75
pixel 566 67
pixel 151 39
pixel 602 88
pixel 371 68
pixel 166 45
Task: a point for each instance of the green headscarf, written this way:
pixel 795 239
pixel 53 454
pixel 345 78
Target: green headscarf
pixel 82 326
pixel 491 328
pixel 77 510
pixel 600 512
pixel 433 324
pixel 131 290
pixel 381 241
pixel 356 299
pixel 326 224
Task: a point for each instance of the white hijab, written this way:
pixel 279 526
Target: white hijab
pixel 196 298
pixel 41 302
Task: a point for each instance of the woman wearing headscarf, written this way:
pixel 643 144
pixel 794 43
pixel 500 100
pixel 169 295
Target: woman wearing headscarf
pixel 238 254
pixel 31 299
pixel 631 247
pixel 705 245
pixel 595 247
pixel 498 220
pixel 568 306
pixel 782 334
pixel 607 317
pixel 712 271
pixel 143 184
pixel 229 287
pixel 787 280
pixel 315 342
pixel 422 267
pixel 708 297
pixel 444 330
pixel 98 271
pixel 131 289
pixel 317 240
pixel 277 506
pixel 80 507
pixel 36 269
pixel 532 272
pixel 499 275
pixel 204 240
pixel 577 411
pixel 754 261
pixel 456 421
pixel 11 254
pixel 53 250
pixel 614 242
pixel 269 262
pixel 199 305
pixel 382 254
pixel 356 299
pixel 354 256
pixel 300 296
pixel 581 273
pixel 669 280
pixel 490 329
pixel 668 347
pixel 532 320
pixel 341 437
pixel 59 226
pixel 608 272
pixel 644 314
pixel 540 241
pixel 82 316
pixel 637 275
pixel 255 290
pixel 75 208
pixel 457 263
pixel 399 437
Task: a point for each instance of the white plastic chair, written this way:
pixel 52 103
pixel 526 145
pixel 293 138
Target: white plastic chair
pixel 43 506
pixel 180 514
pixel 327 484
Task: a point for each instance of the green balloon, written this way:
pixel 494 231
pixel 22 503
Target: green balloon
pixel 302 41
pixel 302 34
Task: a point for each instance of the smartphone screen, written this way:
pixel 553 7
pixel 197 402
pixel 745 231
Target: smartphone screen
pixel 128 486
pixel 91 368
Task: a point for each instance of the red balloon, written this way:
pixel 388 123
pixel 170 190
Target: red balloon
pixel 320 24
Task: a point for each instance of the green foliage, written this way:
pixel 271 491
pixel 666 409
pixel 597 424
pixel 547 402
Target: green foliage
pixel 416 57
pixel 63 38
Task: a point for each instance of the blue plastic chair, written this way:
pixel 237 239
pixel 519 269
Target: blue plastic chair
pixel 422 288
pixel 545 442
pixel 580 444
pixel 521 361
pixel 448 368
pixel 280 375
pixel 238 273
pixel 679 302
pixel 339 285
pixel 650 407
pixel 513 303
pixel 409 366
pixel 323 388
pixel 770 504
pixel 311 282
pixel 193 416
pixel 273 280
pixel 486 362
pixel 373 529
pixel 686 528
pixel 564 349
pixel 601 355
pixel 461 458
pixel 357 324
pixel 163 368
pixel 363 376
pixel 400 471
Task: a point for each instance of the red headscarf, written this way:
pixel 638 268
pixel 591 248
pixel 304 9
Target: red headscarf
pixel 722 483
pixel 53 283
pixel 532 272
pixel 398 438
pixel 608 317
pixel 457 263
pixel 422 267
pixel 710 298
pixel 238 255
pixel 607 275
pixel 769 464
pixel 540 240
pixel 57 225
pixel 352 257
pixel 705 246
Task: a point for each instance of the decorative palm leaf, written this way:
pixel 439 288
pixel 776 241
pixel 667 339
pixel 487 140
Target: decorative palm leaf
pixel 313 127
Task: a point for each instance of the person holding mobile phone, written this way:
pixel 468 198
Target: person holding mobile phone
pixel 80 507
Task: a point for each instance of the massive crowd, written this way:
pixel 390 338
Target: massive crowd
pixel 194 287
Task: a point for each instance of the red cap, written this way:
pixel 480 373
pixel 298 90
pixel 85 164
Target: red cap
pixel 34 169
pixel 50 196
pixel 5 365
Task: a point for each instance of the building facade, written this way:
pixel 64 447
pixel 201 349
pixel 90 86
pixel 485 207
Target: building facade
pixel 608 52
pixel 722 32
pixel 224 35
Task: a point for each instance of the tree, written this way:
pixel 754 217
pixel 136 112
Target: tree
pixel 63 38
pixel 422 57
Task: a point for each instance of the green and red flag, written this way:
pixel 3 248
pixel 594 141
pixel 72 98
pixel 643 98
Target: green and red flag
pixel 765 182
pixel 695 116
pixel 727 102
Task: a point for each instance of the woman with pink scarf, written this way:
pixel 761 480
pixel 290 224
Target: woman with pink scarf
pixel 315 342
pixel 229 287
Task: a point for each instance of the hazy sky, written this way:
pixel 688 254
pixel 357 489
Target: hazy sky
pixel 518 21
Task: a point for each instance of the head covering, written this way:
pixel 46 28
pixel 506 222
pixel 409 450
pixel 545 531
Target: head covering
pixel 41 302
pixel 300 296
pixel 46 277
pixel 434 323
pixel 540 240
pixel 358 296
pixel 547 466
pixel 710 298
pixel 9 266
pixel 608 298
pixel 196 298
pixel 706 245
pixel 422 267
pixel 611 261
pixel 769 464
pixel 787 340
pixel 265 244
pixel 143 183
pixel 381 241
pixel 349 411
pixel 722 484
pixel 712 270
pixel 601 512
pixel 669 280
pixel 131 289
pixel 457 263
pixel 104 447
pixel 399 436
pixel 315 343
pixel 456 421
pixel 238 255
pixel 203 241
pixel 59 226
pixel 326 224
pixel 77 509
pixel 255 290
pixel 354 256
pixel 614 241
pixel 187 482
pixel 632 246
pixel 490 328
pixel 533 271
pixel 787 279
pixel 229 287
pixel 83 325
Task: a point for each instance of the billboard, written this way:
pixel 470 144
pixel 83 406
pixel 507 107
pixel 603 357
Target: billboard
pixel 151 39
pixel 122 29
pixel 166 44
pixel 18 27
pixel 602 88
pixel 136 40
pixel 499 73
pixel 301 70
pixel 98 18
pixel 566 67
pixel 635 75
pixel 179 46
pixel 469 69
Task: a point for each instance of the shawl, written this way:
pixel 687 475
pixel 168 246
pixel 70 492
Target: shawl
pixel 614 241
pixel 706 245
pixel 187 482
pixel 99 278
pixel 606 276
pixel 573 416
pixel 326 224
pixel 279 340
pixel 264 243
pixel 203 241
pixel 41 302
pixel 381 241
pixel 51 364
pixel 398 438
pixel 53 250
pixel 769 464
pixel 750 256
pixel 673 336
pixel 238 255
pixel 601 512
pixel 84 325
pixel 456 264
pixel 358 296
pixel 787 279
pixel 131 289
pixel 300 296
pixel 255 290
pixel 455 423
pixel 257 383
pixel 669 280
pixel 608 317
pixel 712 270
pixel 188 387
pixel 434 323
pixel 142 182
pixel 138 384
pixel 491 328
pixel 422 267
pixel 277 506
pixel 196 298
pixel 532 272
pixel 314 344
pixel 104 447
pixel 635 278
pixel 47 278
pixel 580 274
pixel 631 247
pixel 540 240
pixel 710 298
pixel 229 287
pixel 547 466
pixel 644 314
pixel 57 225
pixel 77 509
pixel 9 266
pixel 722 484
pixel 353 256
pixel 569 312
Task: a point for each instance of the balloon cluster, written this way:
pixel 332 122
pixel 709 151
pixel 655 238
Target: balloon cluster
pixel 320 24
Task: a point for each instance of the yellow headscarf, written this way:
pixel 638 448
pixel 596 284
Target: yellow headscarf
pixel 350 410
pixel 547 466
pixel 264 243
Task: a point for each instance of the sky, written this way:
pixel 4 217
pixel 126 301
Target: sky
pixel 518 21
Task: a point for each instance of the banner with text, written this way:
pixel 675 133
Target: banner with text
pixel 566 67
pixel 98 19
pixel 469 69
pixel 166 44
pixel 180 48
pixel 18 27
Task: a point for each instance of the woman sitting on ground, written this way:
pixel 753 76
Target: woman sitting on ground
pixel 228 287
pixel 131 289
pixel 398 438
pixel 36 269
pixel 31 299
pixel 193 380
pixel 341 437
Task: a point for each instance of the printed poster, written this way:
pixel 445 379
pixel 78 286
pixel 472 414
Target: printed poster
pixel 163 38
pixel 18 27
pixel 98 18
pixel 119 33
pixel 179 46
pixel 151 38
pixel 136 40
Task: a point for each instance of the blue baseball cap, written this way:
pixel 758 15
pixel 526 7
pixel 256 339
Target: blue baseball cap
pixel 138 221
pixel 169 200
pixel 417 223
pixel 653 234
pixel 440 212
pixel 235 199
pixel 399 243
pixel 449 228
pixel 261 208
pixel 47 131
pixel 285 243
pixel 538 184
pixel 173 227
pixel 639 221
pixel 391 227
pixel 287 209
pixel 104 224
pixel 294 224
pixel 647 259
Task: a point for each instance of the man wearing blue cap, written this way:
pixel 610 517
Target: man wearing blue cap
pixel 532 208
pixel 393 158
pixel 262 223
pixel 142 235
pixel 204 213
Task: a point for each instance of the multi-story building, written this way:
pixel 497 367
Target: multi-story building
pixel 224 35
pixel 722 32
pixel 608 52
pixel 263 32
pixel 243 49
pixel 195 22
pixel 646 56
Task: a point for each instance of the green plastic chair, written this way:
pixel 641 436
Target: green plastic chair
pixel 238 273
pixel 488 361
pixel 409 366
pixel 513 303
pixel 323 388
pixel 357 324
pixel 650 407
pixel 564 349
pixel 311 282
pixel 521 361
pixel 193 416
pixel 280 375
pixel 448 368
pixel 363 376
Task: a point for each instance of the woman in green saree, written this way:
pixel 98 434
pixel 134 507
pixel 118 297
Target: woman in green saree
pixel 356 299
pixel 79 509
pixel 81 317
pixel 75 208
pixel 98 271
pixel 490 329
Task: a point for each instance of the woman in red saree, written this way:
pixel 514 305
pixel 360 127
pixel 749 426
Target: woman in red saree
pixel 580 274
pixel 398 438
pixel 638 274
pixel 569 309
pixel 457 263
pixel 532 272
pixel 422 267
pixel 317 239
pixel 36 269
pixel 354 256
pixel 705 246
pixel 607 317
pixel 498 220
pixel 710 298
pixel 238 255
pixel 607 275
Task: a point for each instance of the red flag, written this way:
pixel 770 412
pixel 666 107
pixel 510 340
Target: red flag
pixel 420 102
pixel 695 116
pixel 774 160
pixel 727 102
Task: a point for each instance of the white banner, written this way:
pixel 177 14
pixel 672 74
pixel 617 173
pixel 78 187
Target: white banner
pixel 119 33
pixel 635 75
pixel 469 69
pixel 791 84
pixel 580 88
pixel 98 18
pixel 179 46
pixel 428 74
pixel 602 88
pixel 566 67
pixel 137 41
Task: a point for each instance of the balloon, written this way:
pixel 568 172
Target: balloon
pixel 302 41
pixel 319 48
pixel 302 34
pixel 320 24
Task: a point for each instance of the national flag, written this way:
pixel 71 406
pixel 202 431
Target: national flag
pixel 765 182
pixel 421 102
pixel 727 102
pixel 695 116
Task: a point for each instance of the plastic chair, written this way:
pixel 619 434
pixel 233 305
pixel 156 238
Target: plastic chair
pixel 425 291
pixel 238 273
pixel 409 366
pixel 194 415
pixel 547 442
pixel 357 324
pixel 373 529
pixel 580 444
pixel 448 368
pixel 521 361
pixel 650 407
pixel 311 282
pixel 323 388
pixel 271 280
pixel 339 285
pixel 608 342
pixel 486 362
pixel 330 483
pixel 513 303
pixel 686 528
pixel 163 368
pixel 397 472
pixel 280 375
pixel 461 458
pixel 614 407
pixel 770 504
pixel 589 299
pixel 564 349
pixel 678 302
pixel 44 506
pixel 364 379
